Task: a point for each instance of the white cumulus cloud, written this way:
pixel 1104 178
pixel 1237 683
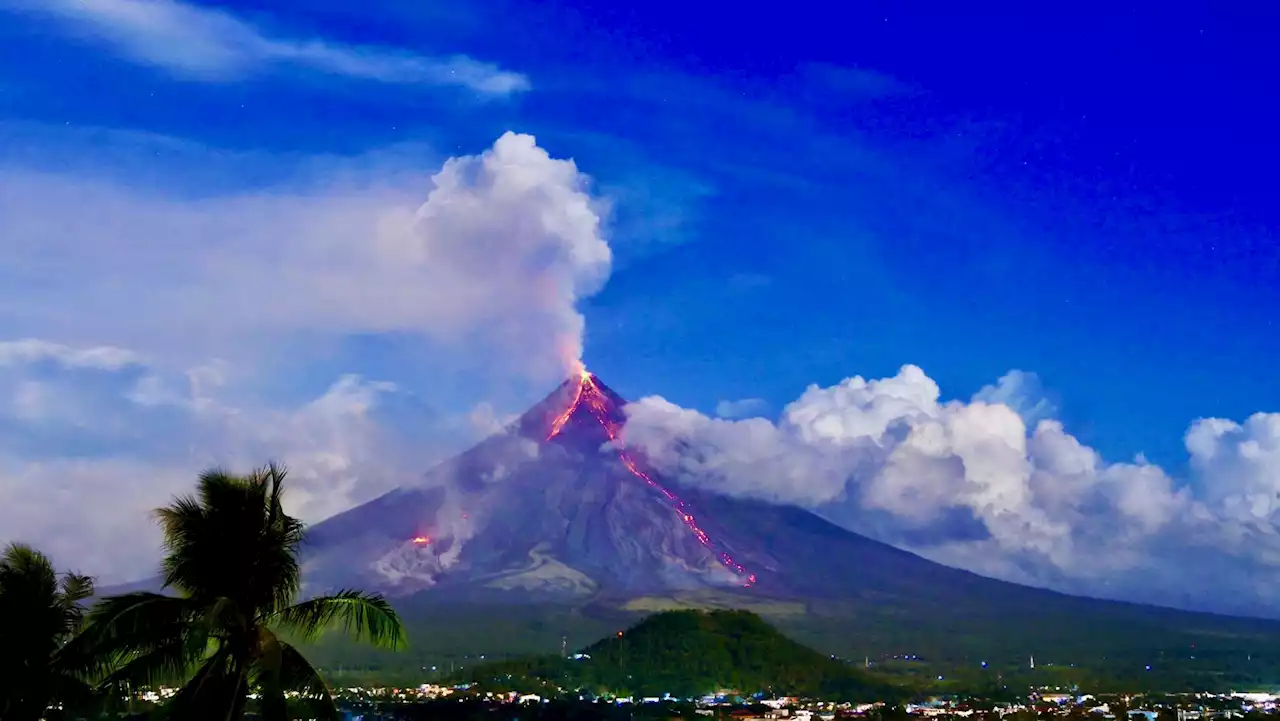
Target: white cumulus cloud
pixel 972 484
pixel 206 44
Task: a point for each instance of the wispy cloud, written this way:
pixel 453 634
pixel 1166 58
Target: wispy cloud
pixel 853 83
pixel 33 350
pixel 742 408
pixel 207 45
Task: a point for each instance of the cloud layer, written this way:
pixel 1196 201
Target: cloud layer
pixel 996 486
pixel 129 436
pixel 208 45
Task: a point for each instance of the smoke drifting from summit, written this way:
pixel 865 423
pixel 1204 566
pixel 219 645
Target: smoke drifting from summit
pixel 486 258
pixel 513 239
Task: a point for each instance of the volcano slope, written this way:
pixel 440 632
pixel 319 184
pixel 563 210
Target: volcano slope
pixel 551 533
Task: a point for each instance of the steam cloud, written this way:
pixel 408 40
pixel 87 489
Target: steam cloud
pixel 513 240
pixel 491 264
pixel 979 485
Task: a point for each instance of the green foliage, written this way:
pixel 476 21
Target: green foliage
pixel 231 556
pixel 40 612
pixel 690 653
pixel 1092 644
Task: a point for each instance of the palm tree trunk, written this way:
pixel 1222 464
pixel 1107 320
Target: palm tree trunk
pixel 241 697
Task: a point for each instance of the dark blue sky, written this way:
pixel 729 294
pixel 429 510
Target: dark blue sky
pixel 1087 193
pixel 1095 203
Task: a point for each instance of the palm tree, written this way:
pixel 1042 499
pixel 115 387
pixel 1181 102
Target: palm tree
pixel 39 612
pixel 231 554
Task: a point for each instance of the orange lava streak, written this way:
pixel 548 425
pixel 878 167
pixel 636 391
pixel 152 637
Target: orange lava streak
pixel 558 424
pixel 596 405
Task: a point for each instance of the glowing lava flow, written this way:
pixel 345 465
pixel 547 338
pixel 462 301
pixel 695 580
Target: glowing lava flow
pixel 558 424
pixel 597 405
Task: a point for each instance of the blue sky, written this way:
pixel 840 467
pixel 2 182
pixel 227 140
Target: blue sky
pixel 793 198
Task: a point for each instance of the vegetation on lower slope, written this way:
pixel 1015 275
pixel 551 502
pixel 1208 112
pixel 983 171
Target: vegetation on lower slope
pixel 1084 641
pixel 691 653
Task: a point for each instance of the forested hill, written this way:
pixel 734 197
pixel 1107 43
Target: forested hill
pixel 691 653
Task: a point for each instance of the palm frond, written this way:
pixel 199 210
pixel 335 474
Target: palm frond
pixel 273 475
pixel 73 589
pixel 282 668
pixel 215 691
pixel 186 527
pixel 76 588
pixel 364 616
pixel 298 675
pixel 123 628
pixel 166 664
pixel 26 571
pixel 33 617
pixel 234 540
pixel 141 618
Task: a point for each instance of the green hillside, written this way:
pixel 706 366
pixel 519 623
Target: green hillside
pixel 691 653
pixel 1091 644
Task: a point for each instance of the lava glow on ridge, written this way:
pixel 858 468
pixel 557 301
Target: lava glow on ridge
pixel 597 405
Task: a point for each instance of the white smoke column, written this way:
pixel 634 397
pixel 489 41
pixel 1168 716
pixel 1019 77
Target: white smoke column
pixel 487 258
pixel 513 240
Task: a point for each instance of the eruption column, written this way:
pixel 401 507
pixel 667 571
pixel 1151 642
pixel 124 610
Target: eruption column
pixel 597 406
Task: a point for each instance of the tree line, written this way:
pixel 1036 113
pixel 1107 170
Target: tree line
pixel 223 630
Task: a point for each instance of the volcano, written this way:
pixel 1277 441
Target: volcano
pixel 554 506
pixel 555 522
